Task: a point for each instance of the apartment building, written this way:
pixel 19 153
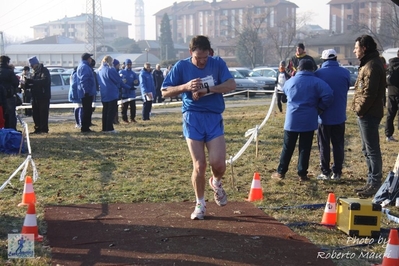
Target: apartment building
pixel 222 19
pixel 75 28
pixel 350 15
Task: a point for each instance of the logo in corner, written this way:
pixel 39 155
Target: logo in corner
pixel 21 246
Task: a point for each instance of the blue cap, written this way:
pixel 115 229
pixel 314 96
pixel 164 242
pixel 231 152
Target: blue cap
pixel 115 62
pixel 128 61
pixel 33 61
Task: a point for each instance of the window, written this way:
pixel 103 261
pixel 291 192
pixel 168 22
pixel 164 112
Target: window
pixel 349 17
pixel 56 80
pixel 348 6
pixel 349 27
pixel 362 5
pixel 337 49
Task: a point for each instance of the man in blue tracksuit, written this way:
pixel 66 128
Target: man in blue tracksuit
pixel 130 78
pixel 86 90
pixel 147 90
pixel 331 127
pixel 307 96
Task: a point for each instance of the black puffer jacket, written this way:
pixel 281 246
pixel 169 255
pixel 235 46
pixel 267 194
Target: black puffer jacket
pixel 8 79
pixel 393 66
pixel 40 83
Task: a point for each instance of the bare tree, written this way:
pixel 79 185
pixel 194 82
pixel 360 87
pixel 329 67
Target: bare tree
pixel 383 26
pixel 249 29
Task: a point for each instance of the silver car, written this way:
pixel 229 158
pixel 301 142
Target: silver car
pixel 243 83
pixel 59 87
pixel 270 72
pixel 265 83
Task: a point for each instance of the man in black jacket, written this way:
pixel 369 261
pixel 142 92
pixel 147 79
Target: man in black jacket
pixel 393 97
pixel 40 85
pixel 10 82
pixel 158 79
pixel 299 55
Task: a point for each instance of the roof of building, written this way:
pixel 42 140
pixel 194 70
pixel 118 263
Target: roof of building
pixel 331 39
pixel 338 2
pixel 191 7
pixel 55 39
pixel 82 18
pixel 46 48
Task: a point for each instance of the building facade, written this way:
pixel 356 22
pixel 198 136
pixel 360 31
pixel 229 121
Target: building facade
pixel 75 28
pixel 222 19
pixel 350 15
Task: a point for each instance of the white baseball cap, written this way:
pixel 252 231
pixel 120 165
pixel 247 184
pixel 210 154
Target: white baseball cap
pixel 328 54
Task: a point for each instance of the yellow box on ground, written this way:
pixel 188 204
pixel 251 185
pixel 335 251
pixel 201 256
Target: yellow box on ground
pixel 359 217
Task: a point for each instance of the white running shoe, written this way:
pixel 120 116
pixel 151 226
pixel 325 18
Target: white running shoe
pixel 219 193
pixel 323 177
pixel 199 212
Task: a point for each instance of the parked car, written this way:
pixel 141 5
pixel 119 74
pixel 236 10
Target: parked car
pixel 59 87
pixel 270 72
pixel 265 83
pixel 243 83
pixel 353 70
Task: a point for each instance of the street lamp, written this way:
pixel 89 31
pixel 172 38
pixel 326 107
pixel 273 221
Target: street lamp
pixel 146 56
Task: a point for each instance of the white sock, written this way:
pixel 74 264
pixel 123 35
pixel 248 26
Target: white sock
pixel 201 201
pixel 215 182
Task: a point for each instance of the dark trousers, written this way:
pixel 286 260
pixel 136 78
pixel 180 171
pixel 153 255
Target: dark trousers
pixel 87 110
pixel 40 113
pixel 305 146
pixel 370 137
pixel 392 109
pixel 78 115
pixel 158 96
pixel 27 97
pixel 279 101
pixel 147 106
pixel 108 115
pixel 10 119
pixel 125 106
pixel 334 134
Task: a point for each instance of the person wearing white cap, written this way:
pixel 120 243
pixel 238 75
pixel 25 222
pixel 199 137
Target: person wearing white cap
pixel 331 127
pixel 307 95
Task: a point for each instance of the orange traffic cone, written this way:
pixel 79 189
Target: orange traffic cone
pixel 330 211
pixel 30 223
pixel 29 195
pixel 391 255
pixel 256 192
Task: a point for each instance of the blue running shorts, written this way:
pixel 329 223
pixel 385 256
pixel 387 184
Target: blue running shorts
pixel 202 126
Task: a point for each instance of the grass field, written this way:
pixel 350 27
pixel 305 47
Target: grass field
pixel 149 162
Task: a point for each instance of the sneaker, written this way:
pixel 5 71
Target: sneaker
pixel 369 191
pixel 303 178
pixel 323 176
pixel 199 212
pixel 78 126
pixel 335 176
pixel 219 193
pixel 360 189
pixel 278 176
pixel 391 139
pixel 134 120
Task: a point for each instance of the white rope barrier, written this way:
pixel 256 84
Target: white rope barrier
pixel 254 132
pixel 28 161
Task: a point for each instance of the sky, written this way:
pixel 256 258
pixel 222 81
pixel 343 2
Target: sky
pixel 18 16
